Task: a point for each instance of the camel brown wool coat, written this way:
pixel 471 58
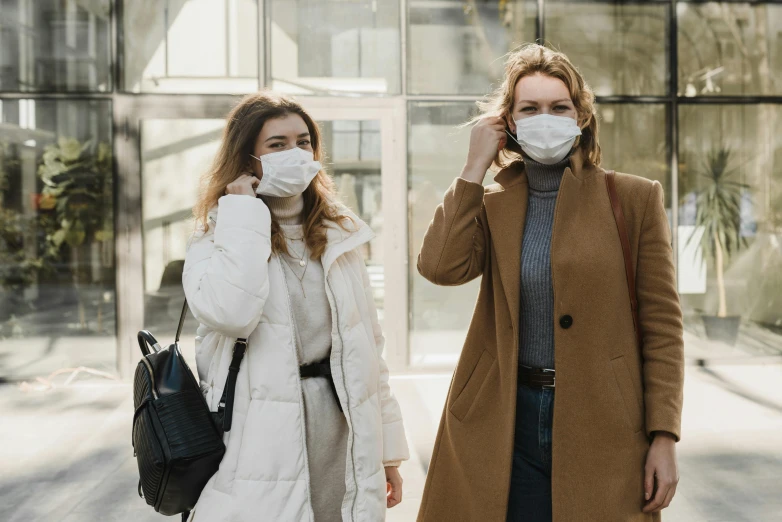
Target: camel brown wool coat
pixel 610 395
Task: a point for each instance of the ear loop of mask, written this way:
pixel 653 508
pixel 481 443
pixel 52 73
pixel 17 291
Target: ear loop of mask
pixel 512 137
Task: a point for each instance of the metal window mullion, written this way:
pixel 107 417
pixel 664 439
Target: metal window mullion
pixel 673 128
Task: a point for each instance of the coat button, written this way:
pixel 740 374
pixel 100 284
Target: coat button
pixel 565 321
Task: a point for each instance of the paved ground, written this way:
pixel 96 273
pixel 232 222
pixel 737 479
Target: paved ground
pixel 65 453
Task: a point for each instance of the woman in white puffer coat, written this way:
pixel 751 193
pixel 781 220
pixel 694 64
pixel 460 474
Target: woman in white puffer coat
pixel 277 261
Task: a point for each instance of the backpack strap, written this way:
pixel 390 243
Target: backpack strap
pixel 624 238
pixel 226 407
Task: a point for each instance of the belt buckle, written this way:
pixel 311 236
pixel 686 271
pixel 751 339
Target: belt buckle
pixel 553 382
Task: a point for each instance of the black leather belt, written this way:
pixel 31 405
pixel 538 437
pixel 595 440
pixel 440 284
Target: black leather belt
pixel 320 369
pixel 536 377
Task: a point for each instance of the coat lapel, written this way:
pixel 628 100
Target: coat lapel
pixel 506 210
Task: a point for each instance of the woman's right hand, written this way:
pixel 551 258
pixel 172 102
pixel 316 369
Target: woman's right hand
pixel 486 139
pixel 244 185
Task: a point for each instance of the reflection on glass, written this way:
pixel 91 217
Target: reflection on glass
pixel 738 150
pixel 437 147
pixel 457 47
pixel 57 285
pixel 730 49
pixel 620 49
pixel 353 148
pixel 333 46
pixel 633 140
pixel 55 45
pixel 191 46
pixel 174 155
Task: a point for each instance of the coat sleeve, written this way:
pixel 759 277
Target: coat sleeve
pixel 226 268
pixel 453 249
pixel 660 316
pixel 395 448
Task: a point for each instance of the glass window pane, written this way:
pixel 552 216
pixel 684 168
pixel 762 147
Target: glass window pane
pixel 730 49
pixel 353 149
pixel 457 47
pixel 437 147
pixel 191 46
pixel 174 155
pixel 57 284
pixel 633 140
pixel 738 150
pixel 335 46
pixel 62 46
pixel 620 49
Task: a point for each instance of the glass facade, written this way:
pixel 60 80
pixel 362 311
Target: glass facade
pixel 110 112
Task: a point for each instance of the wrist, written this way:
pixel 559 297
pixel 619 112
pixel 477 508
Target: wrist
pixel 664 436
pixel 473 173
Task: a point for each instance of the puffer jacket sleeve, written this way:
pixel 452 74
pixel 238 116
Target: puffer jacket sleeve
pixel 226 267
pixel 395 448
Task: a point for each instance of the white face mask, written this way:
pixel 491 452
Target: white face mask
pixel 545 138
pixel 287 173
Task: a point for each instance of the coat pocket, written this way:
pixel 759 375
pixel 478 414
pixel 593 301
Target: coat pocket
pixel 464 401
pixel 630 398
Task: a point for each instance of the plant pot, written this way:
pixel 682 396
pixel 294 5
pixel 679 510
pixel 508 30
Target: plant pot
pixel 724 329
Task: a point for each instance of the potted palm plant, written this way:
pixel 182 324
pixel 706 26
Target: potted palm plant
pixel 718 215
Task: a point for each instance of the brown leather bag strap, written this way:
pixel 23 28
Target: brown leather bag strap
pixel 624 238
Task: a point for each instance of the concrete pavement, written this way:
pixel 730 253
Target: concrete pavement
pixel 65 453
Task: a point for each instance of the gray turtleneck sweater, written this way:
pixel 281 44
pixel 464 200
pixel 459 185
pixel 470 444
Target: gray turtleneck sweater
pixel 536 332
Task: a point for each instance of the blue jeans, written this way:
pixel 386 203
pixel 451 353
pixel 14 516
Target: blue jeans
pixel 530 483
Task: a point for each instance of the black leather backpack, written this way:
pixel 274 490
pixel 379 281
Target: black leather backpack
pixel 177 441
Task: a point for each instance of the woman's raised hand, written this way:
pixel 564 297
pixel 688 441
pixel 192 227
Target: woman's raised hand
pixel 244 185
pixel 486 139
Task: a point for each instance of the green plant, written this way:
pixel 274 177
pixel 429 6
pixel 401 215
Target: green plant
pixel 76 201
pixel 18 269
pixel 719 215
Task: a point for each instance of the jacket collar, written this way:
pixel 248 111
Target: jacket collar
pixel 341 241
pixel 338 240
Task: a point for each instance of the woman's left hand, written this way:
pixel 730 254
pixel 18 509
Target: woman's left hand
pixel 394 485
pixel 662 473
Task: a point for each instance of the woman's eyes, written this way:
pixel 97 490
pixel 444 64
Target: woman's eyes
pixel 558 108
pixel 281 145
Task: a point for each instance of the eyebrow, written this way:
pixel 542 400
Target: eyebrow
pixel 302 135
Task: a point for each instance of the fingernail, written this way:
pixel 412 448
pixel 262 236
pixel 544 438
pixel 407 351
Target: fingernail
pixel 647 496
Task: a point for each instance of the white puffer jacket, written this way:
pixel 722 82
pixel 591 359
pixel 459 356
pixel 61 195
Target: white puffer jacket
pixel 235 287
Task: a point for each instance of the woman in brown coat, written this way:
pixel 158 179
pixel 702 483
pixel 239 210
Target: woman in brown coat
pixel 557 411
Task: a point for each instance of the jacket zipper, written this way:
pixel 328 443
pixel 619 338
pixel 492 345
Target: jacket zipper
pixel 347 399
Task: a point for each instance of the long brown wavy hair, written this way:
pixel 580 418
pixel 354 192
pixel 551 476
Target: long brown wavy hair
pixel 536 59
pixel 244 124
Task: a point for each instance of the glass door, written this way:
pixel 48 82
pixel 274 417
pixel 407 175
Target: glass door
pixel 171 146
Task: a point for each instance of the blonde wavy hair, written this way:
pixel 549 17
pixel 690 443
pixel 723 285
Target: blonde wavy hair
pixel 533 59
pixel 244 124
